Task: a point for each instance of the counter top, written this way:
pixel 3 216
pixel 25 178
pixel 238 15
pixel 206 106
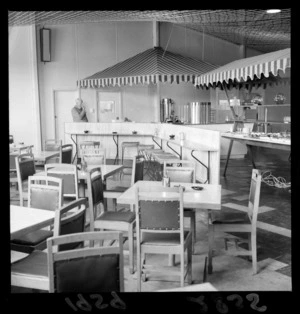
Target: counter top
pixel 188 144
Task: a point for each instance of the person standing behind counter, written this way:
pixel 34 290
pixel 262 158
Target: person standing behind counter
pixel 78 112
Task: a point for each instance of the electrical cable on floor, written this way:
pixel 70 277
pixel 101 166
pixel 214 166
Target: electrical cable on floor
pixel 278 182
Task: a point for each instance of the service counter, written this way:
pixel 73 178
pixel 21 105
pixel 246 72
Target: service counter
pixel 201 144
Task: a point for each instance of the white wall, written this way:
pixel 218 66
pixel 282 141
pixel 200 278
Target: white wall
pixel 23 103
pixel 82 50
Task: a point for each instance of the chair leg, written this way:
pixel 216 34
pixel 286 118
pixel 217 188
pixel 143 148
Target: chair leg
pixel 182 269
pixel 131 249
pixel 254 253
pixel 189 264
pixel 114 203
pixel 249 246
pixel 210 248
pixel 171 259
pixel 193 229
pixel 138 268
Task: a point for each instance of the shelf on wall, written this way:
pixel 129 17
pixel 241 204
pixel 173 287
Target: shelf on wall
pixel 271 122
pixel 259 106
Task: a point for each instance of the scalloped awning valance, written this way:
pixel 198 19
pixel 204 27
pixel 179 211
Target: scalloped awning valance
pixel 262 69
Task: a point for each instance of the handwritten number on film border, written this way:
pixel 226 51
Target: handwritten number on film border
pixel 223 308
pixel 84 305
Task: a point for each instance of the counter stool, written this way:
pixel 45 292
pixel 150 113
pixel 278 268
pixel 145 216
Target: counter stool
pixel 125 145
pixel 142 150
pixel 153 169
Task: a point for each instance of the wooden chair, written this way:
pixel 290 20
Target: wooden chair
pixel 127 164
pixel 237 222
pixel 183 171
pixel 92 155
pixel 66 153
pixel 67 172
pixel 98 269
pixel 53 145
pixel 160 230
pixel 32 271
pixel 25 166
pixel 107 220
pixel 13 179
pixel 44 192
pixel 136 175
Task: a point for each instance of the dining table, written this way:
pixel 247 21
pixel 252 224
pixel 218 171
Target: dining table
pixel 24 220
pixel 208 198
pixel 44 155
pixel 17 148
pixel 106 171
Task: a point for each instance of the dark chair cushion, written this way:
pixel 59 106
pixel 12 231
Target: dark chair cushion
pixel 118 216
pixel 162 238
pixel 230 218
pixel 33 238
pixel 87 275
pixel 35 264
pixel 159 215
pixel 66 156
pixel 69 226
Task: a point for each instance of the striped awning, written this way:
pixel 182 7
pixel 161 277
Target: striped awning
pixel 151 66
pixel 262 68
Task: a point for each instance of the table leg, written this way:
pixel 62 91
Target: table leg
pixel 249 148
pixel 228 156
pixel 210 244
pixel 117 146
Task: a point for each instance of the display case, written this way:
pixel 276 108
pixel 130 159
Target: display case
pixel 267 118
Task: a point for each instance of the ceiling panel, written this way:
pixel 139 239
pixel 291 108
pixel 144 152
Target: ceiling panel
pixel 254 28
